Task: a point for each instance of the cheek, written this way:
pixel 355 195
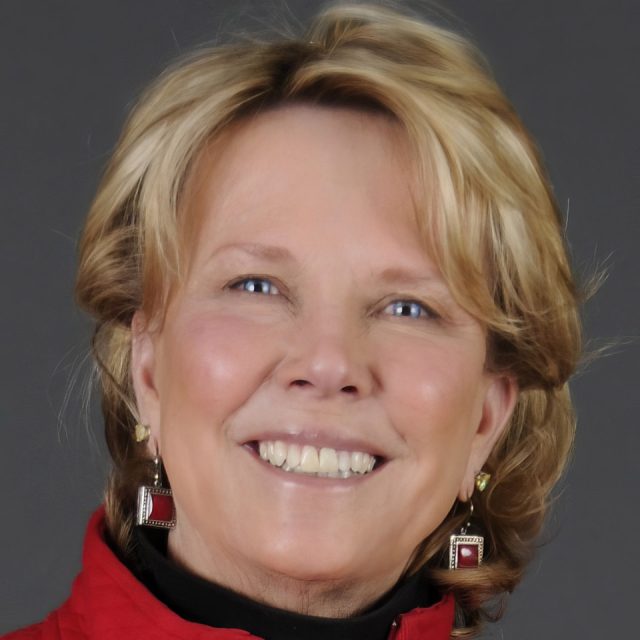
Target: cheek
pixel 211 363
pixel 434 391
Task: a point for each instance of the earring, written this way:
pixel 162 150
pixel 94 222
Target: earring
pixel 465 551
pixel 155 503
pixel 141 432
pixel 482 480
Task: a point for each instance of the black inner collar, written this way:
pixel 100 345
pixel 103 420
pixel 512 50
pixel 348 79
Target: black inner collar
pixel 198 600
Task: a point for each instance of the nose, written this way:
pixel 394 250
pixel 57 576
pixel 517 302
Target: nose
pixel 326 357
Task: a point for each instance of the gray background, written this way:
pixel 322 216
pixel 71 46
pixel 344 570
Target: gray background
pixel 68 70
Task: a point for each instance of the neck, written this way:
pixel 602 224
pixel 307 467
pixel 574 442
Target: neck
pixel 334 597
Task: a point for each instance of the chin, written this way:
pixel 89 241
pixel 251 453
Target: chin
pixel 321 558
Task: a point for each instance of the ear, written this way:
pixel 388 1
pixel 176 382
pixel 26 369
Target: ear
pixel 143 358
pixel 499 402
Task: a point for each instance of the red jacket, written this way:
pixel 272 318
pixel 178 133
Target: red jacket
pixel 107 602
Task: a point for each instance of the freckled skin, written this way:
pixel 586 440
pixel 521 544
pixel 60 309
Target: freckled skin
pixel 333 188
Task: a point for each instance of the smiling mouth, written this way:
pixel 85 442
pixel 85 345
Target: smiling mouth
pixel 323 462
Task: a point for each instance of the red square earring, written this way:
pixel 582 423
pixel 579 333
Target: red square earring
pixel 155 503
pixel 466 551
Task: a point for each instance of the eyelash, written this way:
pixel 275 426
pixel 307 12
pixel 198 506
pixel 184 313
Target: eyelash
pixel 418 309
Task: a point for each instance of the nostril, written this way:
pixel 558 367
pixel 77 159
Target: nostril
pixel 300 382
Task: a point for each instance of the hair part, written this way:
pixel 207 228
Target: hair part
pixel 491 224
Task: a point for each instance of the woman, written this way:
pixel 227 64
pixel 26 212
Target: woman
pixel 335 315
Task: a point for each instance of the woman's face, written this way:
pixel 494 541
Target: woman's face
pixel 312 328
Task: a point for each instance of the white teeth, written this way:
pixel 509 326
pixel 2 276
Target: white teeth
pixel 328 460
pixel 279 454
pixel 356 461
pixel 344 460
pixel 366 460
pixel 293 455
pixel 324 462
pixel 309 460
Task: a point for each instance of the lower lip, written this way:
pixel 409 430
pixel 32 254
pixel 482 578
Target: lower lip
pixel 306 480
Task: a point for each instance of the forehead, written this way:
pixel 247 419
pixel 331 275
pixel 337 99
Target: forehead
pixel 301 165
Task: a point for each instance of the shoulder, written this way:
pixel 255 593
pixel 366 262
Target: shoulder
pixel 34 632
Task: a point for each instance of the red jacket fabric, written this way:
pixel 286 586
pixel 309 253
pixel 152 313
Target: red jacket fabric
pixel 108 602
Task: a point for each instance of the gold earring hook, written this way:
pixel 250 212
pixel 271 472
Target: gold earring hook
pixel 464 529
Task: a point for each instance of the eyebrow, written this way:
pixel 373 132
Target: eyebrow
pixel 398 275
pixel 263 251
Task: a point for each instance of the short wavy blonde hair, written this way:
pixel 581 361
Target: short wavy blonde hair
pixel 492 225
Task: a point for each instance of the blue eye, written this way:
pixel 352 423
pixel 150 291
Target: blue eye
pixel 256 285
pixel 409 309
